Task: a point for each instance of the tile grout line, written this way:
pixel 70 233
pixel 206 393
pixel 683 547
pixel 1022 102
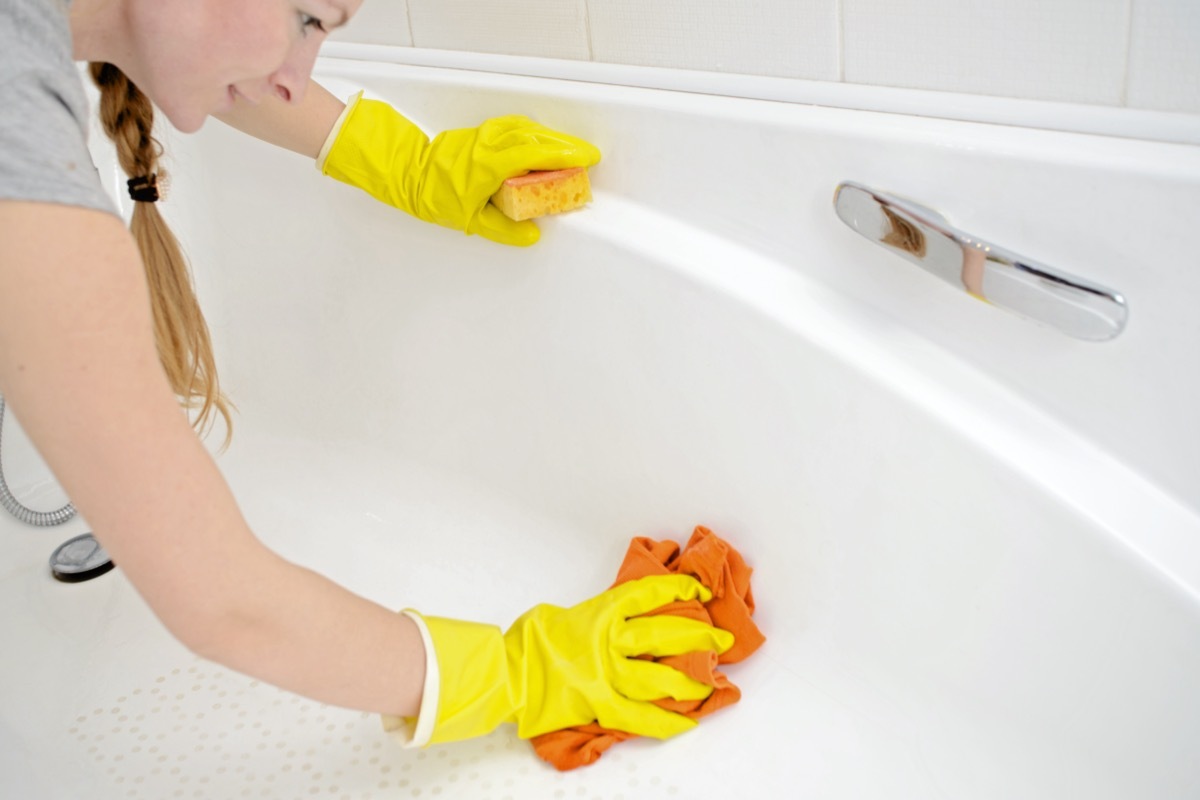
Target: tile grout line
pixel 1125 73
pixel 587 30
pixel 841 40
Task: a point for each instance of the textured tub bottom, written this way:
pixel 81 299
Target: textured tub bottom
pixel 201 731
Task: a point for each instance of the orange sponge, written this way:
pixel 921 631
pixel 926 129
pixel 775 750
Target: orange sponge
pixel 537 194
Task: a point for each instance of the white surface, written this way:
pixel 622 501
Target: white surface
pixel 784 38
pixel 1120 53
pixel 1068 50
pixel 548 28
pixel 1136 124
pixel 378 22
pixel 1113 211
pixel 1164 61
pixel 967 591
pixel 1136 53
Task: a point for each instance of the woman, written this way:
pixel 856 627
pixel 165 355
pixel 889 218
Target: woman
pixel 101 339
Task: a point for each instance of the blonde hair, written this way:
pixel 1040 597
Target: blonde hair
pixel 184 347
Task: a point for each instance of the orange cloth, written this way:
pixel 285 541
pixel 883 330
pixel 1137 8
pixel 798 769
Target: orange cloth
pixel 710 560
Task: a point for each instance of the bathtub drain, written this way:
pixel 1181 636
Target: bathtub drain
pixel 79 559
pixel 75 560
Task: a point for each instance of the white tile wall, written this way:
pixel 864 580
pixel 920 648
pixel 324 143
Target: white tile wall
pixel 1140 53
pixel 1164 55
pixel 547 28
pixel 378 22
pixel 1070 50
pixel 783 38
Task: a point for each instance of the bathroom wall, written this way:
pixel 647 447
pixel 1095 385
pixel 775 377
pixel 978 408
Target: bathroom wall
pixel 1142 54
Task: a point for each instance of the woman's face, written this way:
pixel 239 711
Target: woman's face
pixel 195 57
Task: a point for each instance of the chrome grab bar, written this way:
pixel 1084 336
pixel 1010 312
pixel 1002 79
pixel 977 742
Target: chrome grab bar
pixel 999 277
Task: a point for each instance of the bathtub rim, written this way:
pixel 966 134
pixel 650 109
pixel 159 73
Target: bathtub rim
pixel 1115 121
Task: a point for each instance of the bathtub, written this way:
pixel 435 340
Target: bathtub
pixel 976 541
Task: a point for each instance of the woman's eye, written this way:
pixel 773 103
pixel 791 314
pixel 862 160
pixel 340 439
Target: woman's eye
pixel 308 21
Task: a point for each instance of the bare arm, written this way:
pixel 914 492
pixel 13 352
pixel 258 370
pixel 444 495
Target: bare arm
pixel 78 364
pixel 300 127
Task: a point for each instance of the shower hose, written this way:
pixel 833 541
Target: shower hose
pixel 42 519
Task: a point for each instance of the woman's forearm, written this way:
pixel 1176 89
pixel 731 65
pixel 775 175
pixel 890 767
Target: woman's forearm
pixel 297 630
pixel 79 367
pixel 300 127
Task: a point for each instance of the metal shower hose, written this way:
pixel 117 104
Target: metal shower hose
pixel 42 519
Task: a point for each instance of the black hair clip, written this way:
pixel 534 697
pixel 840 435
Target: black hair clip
pixel 143 189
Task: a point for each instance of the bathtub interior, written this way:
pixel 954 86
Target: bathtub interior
pixel 1111 210
pixel 958 586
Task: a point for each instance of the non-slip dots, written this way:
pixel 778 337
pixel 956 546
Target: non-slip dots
pixel 221 735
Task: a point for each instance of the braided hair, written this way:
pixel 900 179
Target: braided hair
pixel 180 331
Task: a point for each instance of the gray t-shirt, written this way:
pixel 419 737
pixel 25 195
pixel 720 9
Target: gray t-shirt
pixel 43 110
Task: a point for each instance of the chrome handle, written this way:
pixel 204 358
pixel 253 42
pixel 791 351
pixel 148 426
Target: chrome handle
pixel 1000 277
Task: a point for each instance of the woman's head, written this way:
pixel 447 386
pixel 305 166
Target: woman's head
pixel 194 57
pixel 191 58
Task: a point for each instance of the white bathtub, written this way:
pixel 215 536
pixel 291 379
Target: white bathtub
pixel 976 541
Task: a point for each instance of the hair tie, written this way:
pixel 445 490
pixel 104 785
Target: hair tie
pixel 144 188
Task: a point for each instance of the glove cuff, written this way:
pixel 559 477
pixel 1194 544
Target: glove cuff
pixel 417 731
pixel 471 694
pixel 351 102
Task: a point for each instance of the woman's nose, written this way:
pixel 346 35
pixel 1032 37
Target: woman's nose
pixel 287 85
pixel 290 81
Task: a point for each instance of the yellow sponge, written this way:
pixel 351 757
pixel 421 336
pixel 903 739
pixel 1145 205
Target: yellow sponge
pixel 537 194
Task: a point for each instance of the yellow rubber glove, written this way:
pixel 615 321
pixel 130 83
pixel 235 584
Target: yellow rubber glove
pixel 448 180
pixel 560 667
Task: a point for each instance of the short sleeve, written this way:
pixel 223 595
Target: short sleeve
pixel 43 110
pixel 43 147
